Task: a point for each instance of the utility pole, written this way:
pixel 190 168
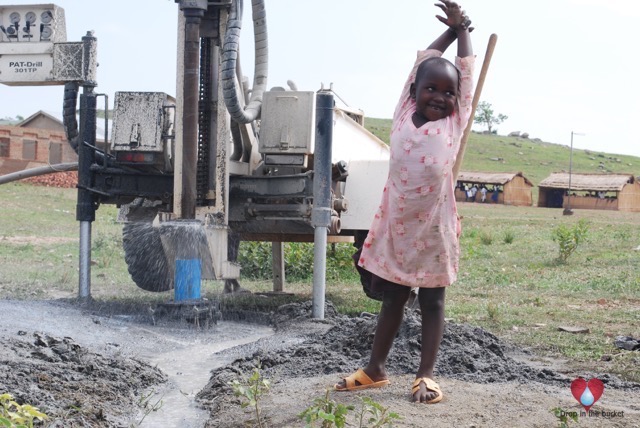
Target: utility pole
pixel 567 210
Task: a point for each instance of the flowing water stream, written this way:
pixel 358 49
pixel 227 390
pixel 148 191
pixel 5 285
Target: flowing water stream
pixel 188 367
pixel 185 353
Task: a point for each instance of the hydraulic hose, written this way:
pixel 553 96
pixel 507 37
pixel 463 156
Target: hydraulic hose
pixel 230 57
pixel 69 120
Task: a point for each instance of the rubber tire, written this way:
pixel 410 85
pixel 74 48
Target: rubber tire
pixel 145 257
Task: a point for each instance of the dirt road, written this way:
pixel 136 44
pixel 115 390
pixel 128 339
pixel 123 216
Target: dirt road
pixel 111 366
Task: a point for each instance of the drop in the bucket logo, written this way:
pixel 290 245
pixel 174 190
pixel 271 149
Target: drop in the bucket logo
pixel 587 393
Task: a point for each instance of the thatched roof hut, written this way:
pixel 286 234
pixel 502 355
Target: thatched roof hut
pixel 590 191
pixel 513 187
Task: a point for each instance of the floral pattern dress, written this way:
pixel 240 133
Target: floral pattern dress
pixel 414 237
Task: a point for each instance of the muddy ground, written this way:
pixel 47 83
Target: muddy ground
pixel 120 366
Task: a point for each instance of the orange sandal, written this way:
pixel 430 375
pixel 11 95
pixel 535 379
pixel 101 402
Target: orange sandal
pixel 431 385
pixel 360 380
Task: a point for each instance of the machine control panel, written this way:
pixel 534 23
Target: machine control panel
pixel 28 34
pixel 32 23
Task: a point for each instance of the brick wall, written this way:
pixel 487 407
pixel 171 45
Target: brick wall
pixel 20 143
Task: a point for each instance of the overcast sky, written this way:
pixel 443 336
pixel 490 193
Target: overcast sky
pixel 559 66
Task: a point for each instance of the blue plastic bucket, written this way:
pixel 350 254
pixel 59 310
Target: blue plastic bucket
pixel 187 279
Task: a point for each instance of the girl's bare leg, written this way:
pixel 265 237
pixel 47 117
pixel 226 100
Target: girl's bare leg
pixel 432 308
pixel 389 321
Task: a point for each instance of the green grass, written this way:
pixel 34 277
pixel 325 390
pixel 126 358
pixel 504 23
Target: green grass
pixel 510 281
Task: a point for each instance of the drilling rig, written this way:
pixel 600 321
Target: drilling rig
pixel 220 161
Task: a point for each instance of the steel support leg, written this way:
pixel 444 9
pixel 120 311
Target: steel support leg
pixel 321 214
pixel 85 206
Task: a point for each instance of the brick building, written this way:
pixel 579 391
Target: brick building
pixel 36 141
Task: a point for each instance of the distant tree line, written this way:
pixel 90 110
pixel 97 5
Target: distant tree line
pixel 9 119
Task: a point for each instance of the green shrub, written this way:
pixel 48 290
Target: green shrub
pixel 509 237
pixel 469 233
pixel 255 261
pixel 486 238
pixel 568 238
pixel 106 249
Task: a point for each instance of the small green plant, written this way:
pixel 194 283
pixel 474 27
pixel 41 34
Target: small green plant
pixel 329 413
pixel 251 390
pixel 147 407
pixel 106 248
pixel 568 238
pixel 326 412
pixel 471 233
pixel 378 415
pixel 14 415
pixel 564 417
pixel 509 237
pixel 486 238
pixel 493 311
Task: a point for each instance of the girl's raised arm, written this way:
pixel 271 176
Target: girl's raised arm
pixel 458 24
pixel 444 40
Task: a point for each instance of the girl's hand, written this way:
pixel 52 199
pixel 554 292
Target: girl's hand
pixel 456 18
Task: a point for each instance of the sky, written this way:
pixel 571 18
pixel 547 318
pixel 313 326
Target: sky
pixel 559 66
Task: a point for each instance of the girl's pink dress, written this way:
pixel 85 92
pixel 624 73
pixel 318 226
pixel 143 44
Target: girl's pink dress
pixel 413 239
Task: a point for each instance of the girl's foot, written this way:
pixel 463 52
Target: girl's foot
pixel 426 390
pixel 361 380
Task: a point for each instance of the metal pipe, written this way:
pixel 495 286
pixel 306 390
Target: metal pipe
pixel 190 110
pixel 319 271
pixel 85 206
pixel 41 170
pixel 321 213
pixel 84 283
pixel 568 210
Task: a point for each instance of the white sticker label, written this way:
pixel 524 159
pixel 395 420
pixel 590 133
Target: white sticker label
pixel 31 69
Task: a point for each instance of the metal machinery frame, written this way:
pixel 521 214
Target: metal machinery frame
pixel 229 160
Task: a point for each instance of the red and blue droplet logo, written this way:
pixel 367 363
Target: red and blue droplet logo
pixel 587 393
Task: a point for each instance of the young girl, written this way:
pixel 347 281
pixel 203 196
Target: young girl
pixel 413 240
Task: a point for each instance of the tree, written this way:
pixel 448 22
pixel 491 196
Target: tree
pixel 12 120
pixel 486 116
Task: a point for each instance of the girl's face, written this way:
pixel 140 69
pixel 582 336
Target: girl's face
pixel 435 93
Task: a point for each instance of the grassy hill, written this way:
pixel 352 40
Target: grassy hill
pixel 534 158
